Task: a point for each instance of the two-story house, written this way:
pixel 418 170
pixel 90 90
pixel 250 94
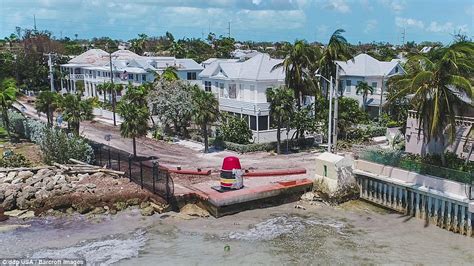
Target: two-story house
pixel 92 68
pixel 241 85
pixel 364 68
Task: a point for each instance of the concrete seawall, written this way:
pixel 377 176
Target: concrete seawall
pixel 442 202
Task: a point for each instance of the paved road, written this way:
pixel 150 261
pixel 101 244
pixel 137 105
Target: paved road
pixel 172 154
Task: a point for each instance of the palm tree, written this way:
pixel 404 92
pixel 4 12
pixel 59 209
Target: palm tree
pixel 281 108
pixel 364 89
pixel 138 45
pixel 177 49
pixel 205 112
pixel 13 38
pixel 134 111
pixel 169 74
pixel 337 49
pixel 47 102
pixel 103 88
pixel 8 91
pixel 75 110
pixel 440 89
pixel 297 64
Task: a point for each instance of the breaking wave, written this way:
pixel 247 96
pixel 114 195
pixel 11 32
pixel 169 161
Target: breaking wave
pixel 101 251
pixel 282 225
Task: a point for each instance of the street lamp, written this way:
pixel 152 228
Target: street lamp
pixel 330 109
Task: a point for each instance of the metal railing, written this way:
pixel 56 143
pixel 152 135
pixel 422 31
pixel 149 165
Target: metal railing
pixel 144 171
pixel 398 160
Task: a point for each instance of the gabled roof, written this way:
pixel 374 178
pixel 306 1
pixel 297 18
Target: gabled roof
pixel 365 65
pixel 90 57
pixel 258 68
pixel 127 60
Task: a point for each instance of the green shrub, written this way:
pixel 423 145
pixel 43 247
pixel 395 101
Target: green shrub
pixel 235 129
pixel 158 134
pixel 255 147
pixel 382 156
pixel 59 146
pixel 14 160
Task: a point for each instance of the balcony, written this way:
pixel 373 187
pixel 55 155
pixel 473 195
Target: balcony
pixel 76 76
pixel 244 107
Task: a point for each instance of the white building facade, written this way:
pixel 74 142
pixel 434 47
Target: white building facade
pixel 241 86
pixel 93 68
pixel 364 68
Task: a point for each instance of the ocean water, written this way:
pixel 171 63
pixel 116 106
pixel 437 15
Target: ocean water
pixel 283 235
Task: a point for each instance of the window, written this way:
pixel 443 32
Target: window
pixel 325 171
pixel 348 85
pixel 98 73
pixel 191 76
pixel 207 86
pixel 130 76
pixel 253 122
pixel 252 92
pixel 374 87
pixel 232 91
pixel 263 122
pixel 358 82
pixel 221 90
pixel 144 78
pixel 136 77
pixel 396 69
pixel 241 91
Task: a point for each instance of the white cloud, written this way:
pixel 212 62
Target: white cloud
pixel 395 5
pixel 409 22
pixel 439 27
pixel 340 6
pixel 370 25
pixel 447 27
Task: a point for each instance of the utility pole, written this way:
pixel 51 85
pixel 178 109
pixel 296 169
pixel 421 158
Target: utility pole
pixel 51 78
pixel 331 91
pixel 112 87
pixel 228 29
pixel 336 106
pixel 403 36
pixel 34 22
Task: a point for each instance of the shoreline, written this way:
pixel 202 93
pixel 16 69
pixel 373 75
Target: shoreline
pixel 318 233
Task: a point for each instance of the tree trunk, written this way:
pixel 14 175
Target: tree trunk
pixel 206 141
pixel 134 142
pixel 6 121
pixel 364 102
pixel 468 158
pixel 278 137
pixel 443 151
pixel 113 107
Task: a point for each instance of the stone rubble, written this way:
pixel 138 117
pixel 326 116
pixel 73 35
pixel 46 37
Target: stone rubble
pixel 68 189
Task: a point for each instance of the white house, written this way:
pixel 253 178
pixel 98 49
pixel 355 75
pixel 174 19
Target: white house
pixel 93 68
pixel 376 73
pixel 241 88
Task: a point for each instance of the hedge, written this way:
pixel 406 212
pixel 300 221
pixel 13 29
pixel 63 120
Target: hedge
pixel 269 146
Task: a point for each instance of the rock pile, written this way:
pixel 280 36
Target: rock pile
pixel 20 189
pixel 68 189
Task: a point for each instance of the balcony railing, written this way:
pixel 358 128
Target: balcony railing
pixel 76 76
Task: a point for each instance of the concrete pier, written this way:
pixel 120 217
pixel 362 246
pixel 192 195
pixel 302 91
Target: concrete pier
pixel 440 202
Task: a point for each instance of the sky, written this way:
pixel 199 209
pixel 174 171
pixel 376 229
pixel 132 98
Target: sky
pixel 258 20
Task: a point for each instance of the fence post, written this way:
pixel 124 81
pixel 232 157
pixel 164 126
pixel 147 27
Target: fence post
pixel 130 167
pixel 110 159
pixel 141 174
pixel 155 173
pixel 100 155
pixel 118 160
pixel 167 186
